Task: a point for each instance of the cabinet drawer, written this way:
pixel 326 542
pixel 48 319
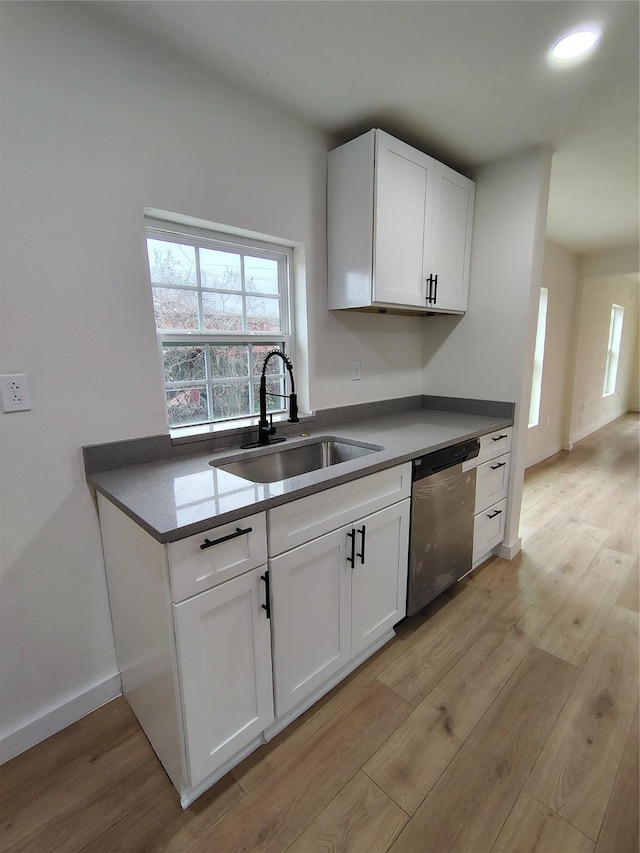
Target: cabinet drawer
pixel 494 444
pixel 235 548
pixel 488 529
pixel 492 481
pixel 300 521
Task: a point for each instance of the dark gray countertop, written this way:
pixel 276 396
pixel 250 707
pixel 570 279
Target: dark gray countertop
pixel 174 498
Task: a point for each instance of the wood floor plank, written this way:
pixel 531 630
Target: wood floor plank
pixel 575 628
pixel 272 815
pixel 540 486
pixel 577 768
pixel 625 536
pixel 541 545
pixel 590 497
pixel 533 828
pixel 467 807
pixel 160 825
pixel 443 642
pixel 608 513
pixel 630 595
pixel 68 816
pixel 562 572
pixel 360 818
pixel 558 501
pixel 408 764
pixel 620 831
pixel 30 775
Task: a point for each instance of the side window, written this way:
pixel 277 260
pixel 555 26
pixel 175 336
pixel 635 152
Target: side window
pixel 538 359
pixel 613 350
pixel 221 303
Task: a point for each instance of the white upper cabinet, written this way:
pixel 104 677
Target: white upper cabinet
pixel 399 228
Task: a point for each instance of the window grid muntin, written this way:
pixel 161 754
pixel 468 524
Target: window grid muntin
pixel 244 247
pixel 209 382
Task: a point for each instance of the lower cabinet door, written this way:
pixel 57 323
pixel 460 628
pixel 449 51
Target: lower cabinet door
pixel 224 657
pixel 379 577
pixel 311 616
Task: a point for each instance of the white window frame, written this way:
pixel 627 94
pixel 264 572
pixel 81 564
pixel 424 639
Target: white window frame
pixel 538 359
pixel 612 359
pixel 187 235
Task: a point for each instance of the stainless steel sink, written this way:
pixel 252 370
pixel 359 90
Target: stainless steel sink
pixel 269 466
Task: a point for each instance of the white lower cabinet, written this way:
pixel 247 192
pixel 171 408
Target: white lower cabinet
pixel 197 623
pixel 492 484
pixel 223 645
pixel 333 598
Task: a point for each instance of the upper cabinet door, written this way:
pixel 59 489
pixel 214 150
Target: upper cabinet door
pixel 404 192
pixel 450 241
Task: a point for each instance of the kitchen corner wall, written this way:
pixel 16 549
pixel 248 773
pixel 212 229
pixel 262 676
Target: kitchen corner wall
pixel 488 353
pixel 96 125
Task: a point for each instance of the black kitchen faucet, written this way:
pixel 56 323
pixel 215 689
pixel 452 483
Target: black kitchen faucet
pixel 265 427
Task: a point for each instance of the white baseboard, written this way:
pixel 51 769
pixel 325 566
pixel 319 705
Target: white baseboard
pixel 541 455
pixel 583 433
pixel 509 551
pixel 20 739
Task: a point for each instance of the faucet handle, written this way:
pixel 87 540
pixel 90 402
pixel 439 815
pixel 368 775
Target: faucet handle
pixel 293 409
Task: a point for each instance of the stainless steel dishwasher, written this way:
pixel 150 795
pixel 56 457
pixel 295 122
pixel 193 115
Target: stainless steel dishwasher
pixel 442 508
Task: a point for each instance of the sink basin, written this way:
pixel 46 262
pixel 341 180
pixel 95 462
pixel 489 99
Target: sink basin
pixel 269 466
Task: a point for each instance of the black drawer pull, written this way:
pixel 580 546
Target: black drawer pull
pixel 361 554
pixel 267 606
pixel 498 437
pixel 352 559
pixel 499 465
pixel 209 543
pixel 493 514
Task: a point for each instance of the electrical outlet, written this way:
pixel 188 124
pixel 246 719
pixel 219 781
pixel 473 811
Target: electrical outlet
pixel 14 393
pixel 547 421
pixel 356 374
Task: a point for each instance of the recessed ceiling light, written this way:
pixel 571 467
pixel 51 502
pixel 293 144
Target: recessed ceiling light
pixel 576 44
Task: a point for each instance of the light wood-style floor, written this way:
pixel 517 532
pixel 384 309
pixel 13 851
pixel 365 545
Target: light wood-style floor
pixel 504 719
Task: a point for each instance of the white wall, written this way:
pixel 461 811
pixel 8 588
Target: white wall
pixel 590 410
pixel 488 354
pixel 95 127
pixel 560 277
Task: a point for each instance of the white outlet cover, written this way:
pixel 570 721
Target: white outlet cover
pixel 14 393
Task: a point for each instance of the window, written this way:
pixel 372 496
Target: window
pixel 538 359
pixel 613 350
pixel 221 303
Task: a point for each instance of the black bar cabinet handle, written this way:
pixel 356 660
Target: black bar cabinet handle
pixel 352 559
pixel 209 543
pixel 363 532
pixel 493 514
pixel 435 288
pixel 498 437
pixel 499 465
pixel 267 606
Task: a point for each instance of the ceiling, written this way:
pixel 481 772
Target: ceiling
pixel 468 82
